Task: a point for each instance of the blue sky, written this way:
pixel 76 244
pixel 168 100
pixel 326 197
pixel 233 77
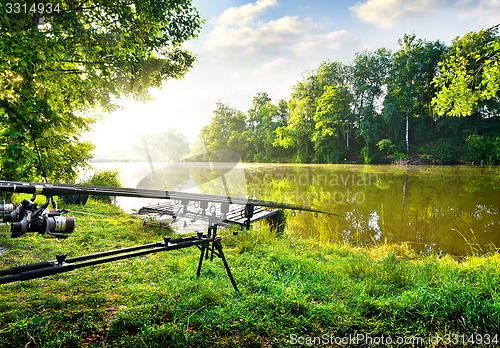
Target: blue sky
pixel 247 47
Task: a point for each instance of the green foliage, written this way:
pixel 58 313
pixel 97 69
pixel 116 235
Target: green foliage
pixel 367 157
pixel 109 178
pixel 369 75
pixel 59 149
pixel 409 89
pixel 445 153
pixel 380 104
pixel 386 146
pixel 480 149
pixel 289 286
pixel 470 73
pixel 56 68
pixel 331 120
pixel 228 131
pixel 313 123
pixel 298 132
pixel 263 119
pixel 398 156
pixel 253 137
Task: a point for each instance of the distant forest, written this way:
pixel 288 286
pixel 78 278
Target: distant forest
pixel 383 107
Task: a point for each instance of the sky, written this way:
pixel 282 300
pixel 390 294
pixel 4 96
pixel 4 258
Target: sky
pixel 248 47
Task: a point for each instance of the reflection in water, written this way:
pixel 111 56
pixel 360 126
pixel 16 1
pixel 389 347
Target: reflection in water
pixel 440 209
pixel 226 176
pixel 445 209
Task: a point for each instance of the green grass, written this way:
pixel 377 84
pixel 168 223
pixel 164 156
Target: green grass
pixel 288 287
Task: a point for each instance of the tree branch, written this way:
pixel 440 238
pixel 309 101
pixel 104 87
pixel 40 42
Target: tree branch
pixel 75 71
pixel 9 109
pixel 80 6
pixel 84 62
pixel 493 27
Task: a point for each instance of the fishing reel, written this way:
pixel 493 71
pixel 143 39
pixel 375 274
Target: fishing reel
pixel 7 208
pixel 28 217
pixel 12 212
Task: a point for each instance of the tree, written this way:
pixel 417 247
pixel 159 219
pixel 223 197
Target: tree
pixel 369 74
pixel 259 119
pixel 299 131
pixel 163 146
pixel 469 74
pixel 409 90
pixel 56 66
pixel 332 117
pixel 263 119
pixel 228 131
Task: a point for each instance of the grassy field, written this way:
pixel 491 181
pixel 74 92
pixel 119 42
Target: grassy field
pixel 292 292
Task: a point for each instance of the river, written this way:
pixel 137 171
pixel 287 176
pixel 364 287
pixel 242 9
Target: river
pixel 442 209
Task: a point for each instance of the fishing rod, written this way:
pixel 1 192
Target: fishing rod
pixel 68 189
pixel 29 217
pixel 63 264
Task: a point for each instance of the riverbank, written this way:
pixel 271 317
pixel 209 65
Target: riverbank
pixel 292 291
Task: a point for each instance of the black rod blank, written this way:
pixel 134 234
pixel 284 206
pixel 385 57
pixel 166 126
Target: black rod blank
pixel 68 189
pixel 48 268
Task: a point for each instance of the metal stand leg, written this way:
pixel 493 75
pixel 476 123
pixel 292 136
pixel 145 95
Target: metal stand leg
pixel 217 250
pixel 218 246
pixel 201 260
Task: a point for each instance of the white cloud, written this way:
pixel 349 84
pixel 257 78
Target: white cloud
pixel 246 13
pixel 389 13
pixel 273 66
pixel 242 51
pixel 487 11
pixel 240 37
pixel 244 34
pixel 282 31
pixel 335 41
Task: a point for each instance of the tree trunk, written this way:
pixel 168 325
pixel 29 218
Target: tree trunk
pixel 407 136
pixel 348 140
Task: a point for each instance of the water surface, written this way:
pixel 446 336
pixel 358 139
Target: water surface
pixel 443 209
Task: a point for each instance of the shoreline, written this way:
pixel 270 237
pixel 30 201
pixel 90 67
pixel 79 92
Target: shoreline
pixel 291 288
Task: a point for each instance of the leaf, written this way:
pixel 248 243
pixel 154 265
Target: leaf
pixel 71 68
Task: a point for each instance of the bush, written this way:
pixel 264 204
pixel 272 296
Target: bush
pixel 367 159
pixel 445 153
pixel 397 156
pixel 386 146
pixel 481 149
pixel 109 178
pixel 332 156
pixel 497 149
